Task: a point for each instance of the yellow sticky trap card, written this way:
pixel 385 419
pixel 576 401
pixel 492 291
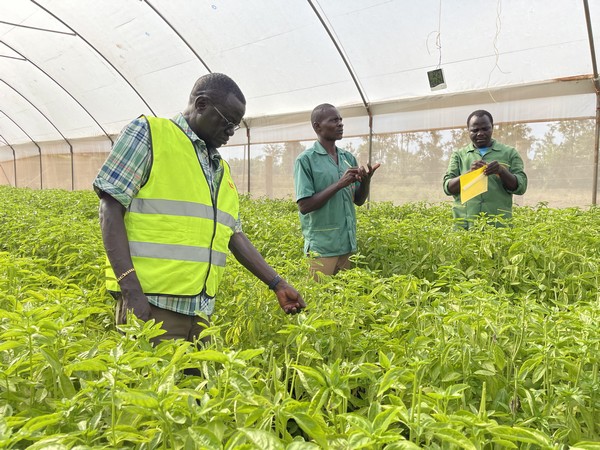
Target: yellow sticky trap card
pixel 472 184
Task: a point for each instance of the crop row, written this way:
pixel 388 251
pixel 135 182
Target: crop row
pixel 436 339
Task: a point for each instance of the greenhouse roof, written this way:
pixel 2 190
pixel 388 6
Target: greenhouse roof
pixel 73 69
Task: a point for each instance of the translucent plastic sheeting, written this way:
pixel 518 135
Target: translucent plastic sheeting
pixel 72 69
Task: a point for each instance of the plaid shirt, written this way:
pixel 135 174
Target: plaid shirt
pixel 126 170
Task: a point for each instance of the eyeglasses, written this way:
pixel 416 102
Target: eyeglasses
pixel 229 123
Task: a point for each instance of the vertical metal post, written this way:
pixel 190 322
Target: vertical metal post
pixel 14 164
pixel 370 161
pixel 248 143
pixel 14 159
pixel 41 168
pixel 597 140
pixel 597 87
pixel 72 169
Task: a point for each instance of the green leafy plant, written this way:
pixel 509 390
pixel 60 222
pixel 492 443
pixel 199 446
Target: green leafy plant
pixel 436 339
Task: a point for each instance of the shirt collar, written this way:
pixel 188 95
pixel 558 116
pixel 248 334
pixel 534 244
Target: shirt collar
pixel 472 147
pixel 321 150
pixel 180 120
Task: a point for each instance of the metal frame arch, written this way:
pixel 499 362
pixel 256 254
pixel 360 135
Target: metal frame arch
pixel 18 25
pixel 322 18
pixel 34 143
pixel 193 50
pixel 14 158
pixel 60 86
pixel 178 34
pixel 89 44
pixel 53 125
pixel 320 15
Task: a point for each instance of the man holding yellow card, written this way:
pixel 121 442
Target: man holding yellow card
pixel 484 175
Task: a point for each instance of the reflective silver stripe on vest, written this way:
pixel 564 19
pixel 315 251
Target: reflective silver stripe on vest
pixel 180 208
pixel 177 252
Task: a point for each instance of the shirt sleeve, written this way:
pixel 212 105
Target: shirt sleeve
pixel 127 166
pixel 453 171
pixel 238 225
pixel 303 179
pixel 517 168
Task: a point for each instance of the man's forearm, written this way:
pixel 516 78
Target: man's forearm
pixel 114 237
pixel 509 181
pixel 454 185
pixel 318 200
pixel 362 193
pixel 249 257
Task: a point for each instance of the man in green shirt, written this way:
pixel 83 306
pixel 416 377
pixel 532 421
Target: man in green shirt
pixel 328 184
pixel 503 167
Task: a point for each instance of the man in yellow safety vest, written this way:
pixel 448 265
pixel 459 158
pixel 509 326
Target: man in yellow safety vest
pixel 169 212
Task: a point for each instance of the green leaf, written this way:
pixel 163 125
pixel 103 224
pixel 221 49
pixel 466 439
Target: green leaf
pixel 43 421
pixel 143 361
pixel 242 385
pixel 262 439
pixel 452 376
pixel 385 418
pixel 585 445
pixel 249 354
pixel 312 373
pixel 311 353
pixel 87 365
pixel 301 445
pixel 203 437
pixel 209 355
pixel 66 386
pixel 521 435
pixel 450 435
pixel 147 400
pixel 311 427
pixel 403 445
pixel 390 378
pixel 8 345
pixel 528 365
pixel 503 443
pixel 360 422
pixel 384 361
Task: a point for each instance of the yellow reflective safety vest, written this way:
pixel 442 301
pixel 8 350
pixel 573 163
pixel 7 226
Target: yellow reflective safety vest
pixel 177 237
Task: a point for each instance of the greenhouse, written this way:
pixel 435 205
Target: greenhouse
pixel 74 73
pixel 435 337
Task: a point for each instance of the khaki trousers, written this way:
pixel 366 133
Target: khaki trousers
pixel 176 325
pixel 330 265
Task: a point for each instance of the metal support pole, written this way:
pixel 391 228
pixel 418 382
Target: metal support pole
pixel 597 139
pixel 597 87
pixel 14 164
pixel 248 143
pixel 370 161
pixel 14 159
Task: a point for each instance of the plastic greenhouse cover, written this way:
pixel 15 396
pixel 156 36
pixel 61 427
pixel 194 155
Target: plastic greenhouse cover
pixel 74 69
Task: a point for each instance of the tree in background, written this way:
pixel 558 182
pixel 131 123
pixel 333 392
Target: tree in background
pixel 276 151
pixel 518 135
pixel 414 162
pixel 291 150
pixel 564 156
pixel 433 148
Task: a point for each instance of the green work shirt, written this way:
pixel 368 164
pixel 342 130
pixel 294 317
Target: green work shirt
pixel 331 229
pixel 497 200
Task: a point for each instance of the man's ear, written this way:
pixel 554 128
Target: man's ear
pixel 201 102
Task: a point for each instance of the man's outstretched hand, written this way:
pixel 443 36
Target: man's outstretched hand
pixel 289 299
